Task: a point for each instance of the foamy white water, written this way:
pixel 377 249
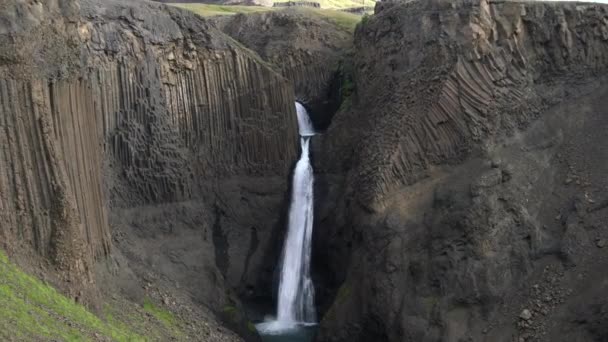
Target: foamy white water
pixel 304 123
pixel 295 305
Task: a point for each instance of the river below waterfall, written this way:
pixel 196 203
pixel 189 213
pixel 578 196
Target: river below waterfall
pixel 298 334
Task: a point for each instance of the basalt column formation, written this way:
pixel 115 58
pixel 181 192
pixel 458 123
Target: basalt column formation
pixel 448 190
pixel 135 104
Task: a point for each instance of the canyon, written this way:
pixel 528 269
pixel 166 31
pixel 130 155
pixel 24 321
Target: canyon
pixel 460 161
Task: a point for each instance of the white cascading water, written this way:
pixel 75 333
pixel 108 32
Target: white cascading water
pixel 295 289
pixel 304 123
pixel 296 292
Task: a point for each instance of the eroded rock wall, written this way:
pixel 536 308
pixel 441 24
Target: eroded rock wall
pixel 110 106
pixel 439 84
pixel 305 47
pixel 446 208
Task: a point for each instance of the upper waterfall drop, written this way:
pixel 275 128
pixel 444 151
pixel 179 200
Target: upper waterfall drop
pixel 305 125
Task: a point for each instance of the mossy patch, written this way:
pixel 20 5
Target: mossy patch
pixel 210 10
pixel 31 310
pixel 343 293
pixel 347 85
pixel 341 4
pixel 344 20
pixel 159 313
pixel 231 312
pixel 251 327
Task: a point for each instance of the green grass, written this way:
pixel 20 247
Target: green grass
pixel 31 310
pixel 340 4
pixel 210 10
pixel 160 313
pixel 345 20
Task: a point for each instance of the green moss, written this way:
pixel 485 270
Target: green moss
pixel 231 312
pixel 343 293
pixel 251 327
pixel 347 86
pixel 33 310
pixel 159 313
pixel 365 19
pixel 429 302
pixel 340 4
pixel 210 10
pixel 346 21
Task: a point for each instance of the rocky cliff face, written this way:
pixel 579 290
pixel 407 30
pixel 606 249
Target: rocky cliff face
pixel 305 47
pixel 462 187
pixel 110 106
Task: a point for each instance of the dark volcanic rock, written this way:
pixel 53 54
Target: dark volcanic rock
pixel 445 182
pixel 109 108
pixel 305 47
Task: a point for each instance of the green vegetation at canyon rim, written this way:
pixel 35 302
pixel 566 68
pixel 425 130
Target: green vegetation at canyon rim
pixel 345 20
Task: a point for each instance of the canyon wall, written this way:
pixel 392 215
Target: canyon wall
pixel 110 106
pixel 305 47
pixel 458 191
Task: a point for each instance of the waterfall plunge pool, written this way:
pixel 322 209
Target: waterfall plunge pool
pixel 277 331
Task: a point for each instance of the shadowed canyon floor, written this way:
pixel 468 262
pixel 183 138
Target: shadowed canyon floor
pixel 147 153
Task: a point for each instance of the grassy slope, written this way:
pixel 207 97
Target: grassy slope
pixel 33 311
pixel 345 20
pixel 340 4
pixel 209 10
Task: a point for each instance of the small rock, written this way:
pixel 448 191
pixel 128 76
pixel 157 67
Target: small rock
pixel 601 243
pixel 525 314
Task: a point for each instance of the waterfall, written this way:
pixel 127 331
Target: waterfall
pixel 295 289
pixel 296 292
pixel 304 123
